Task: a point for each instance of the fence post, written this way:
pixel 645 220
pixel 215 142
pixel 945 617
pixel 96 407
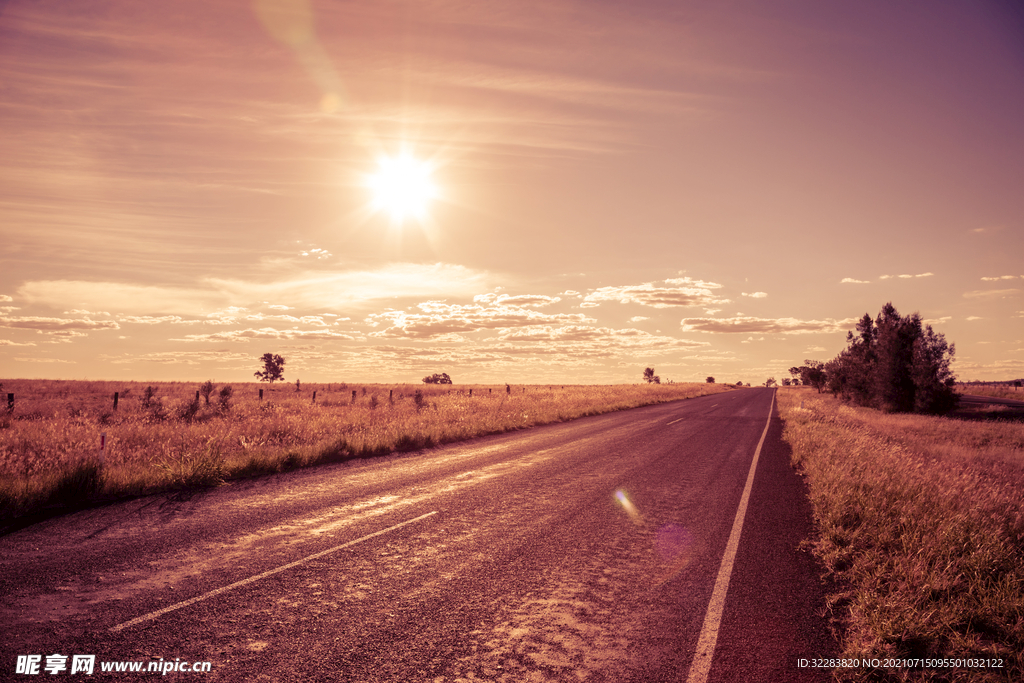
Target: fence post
pixel 261 394
pixel 471 393
pixel 10 402
pixel 103 446
pixel 353 395
pixel 314 397
pixel 197 397
pixel 115 399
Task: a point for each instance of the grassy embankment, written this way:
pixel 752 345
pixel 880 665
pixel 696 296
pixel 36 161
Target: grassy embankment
pixel 921 524
pixel 49 446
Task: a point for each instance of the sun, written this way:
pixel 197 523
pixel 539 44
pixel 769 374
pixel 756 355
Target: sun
pixel 403 187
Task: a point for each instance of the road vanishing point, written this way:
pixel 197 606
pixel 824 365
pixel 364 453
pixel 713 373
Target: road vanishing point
pixel 655 544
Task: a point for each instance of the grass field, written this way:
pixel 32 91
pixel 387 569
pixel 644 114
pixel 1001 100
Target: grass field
pixel 50 443
pixel 921 525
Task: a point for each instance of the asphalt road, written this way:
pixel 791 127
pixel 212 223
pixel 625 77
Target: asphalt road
pixel 969 400
pixel 583 551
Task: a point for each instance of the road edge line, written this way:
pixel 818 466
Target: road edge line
pixel 704 654
pixel 199 598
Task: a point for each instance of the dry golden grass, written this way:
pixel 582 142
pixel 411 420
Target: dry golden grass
pixel 49 446
pixel 921 524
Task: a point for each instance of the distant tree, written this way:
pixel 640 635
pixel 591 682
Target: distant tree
pixel 273 368
pixel 770 382
pixel 710 380
pixel 443 378
pixel 811 373
pixel 298 386
pixel 206 389
pixel 650 377
pixel 786 381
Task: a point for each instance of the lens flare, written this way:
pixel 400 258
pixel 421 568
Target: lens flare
pixel 628 506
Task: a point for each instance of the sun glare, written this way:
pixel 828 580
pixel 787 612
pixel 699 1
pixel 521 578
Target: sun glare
pixel 403 187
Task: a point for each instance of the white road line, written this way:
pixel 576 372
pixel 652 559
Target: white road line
pixel 257 577
pixel 701 666
pixel 673 422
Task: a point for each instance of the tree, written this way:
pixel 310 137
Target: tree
pixel 443 378
pixel 770 382
pixel 710 380
pixel 895 364
pixel 811 373
pixel 786 381
pixel 650 377
pixel 273 368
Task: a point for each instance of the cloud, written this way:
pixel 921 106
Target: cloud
pixel 905 276
pixel 56 324
pixel 320 289
pixel 437 318
pixel 8 342
pixel 154 320
pixel 756 295
pixel 519 300
pixel 183 357
pixel 990 293
pixel 856 282
pixel 974 317
pixel 936 321
pixel 42 360
pixel 265 333
pixel 1001 277
pixel 4 297
pixel 674 292
pixel 638 319
pixel 746 324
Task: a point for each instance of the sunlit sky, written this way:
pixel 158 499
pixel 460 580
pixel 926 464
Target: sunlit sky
pixel 706 188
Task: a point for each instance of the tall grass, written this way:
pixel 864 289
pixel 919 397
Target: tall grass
pixel 921 524
pixel 172 441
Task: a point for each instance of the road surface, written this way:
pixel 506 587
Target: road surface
pixel 592 550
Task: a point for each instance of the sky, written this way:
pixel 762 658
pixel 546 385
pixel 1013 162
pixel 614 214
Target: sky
pixel 706 188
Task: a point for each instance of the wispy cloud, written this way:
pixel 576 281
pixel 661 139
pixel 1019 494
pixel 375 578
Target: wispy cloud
pixel 266 333
pixel 746 324
pixel 320 289
pixel 41 324
pixel 674 292
pixel 852 281
pixel 756 295
pixel 1001 277
pixel 990 293
pixel 905 276
pixel 437 318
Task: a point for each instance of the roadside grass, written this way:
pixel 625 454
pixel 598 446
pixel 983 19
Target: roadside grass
pixel 50 445
pixel 920 523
